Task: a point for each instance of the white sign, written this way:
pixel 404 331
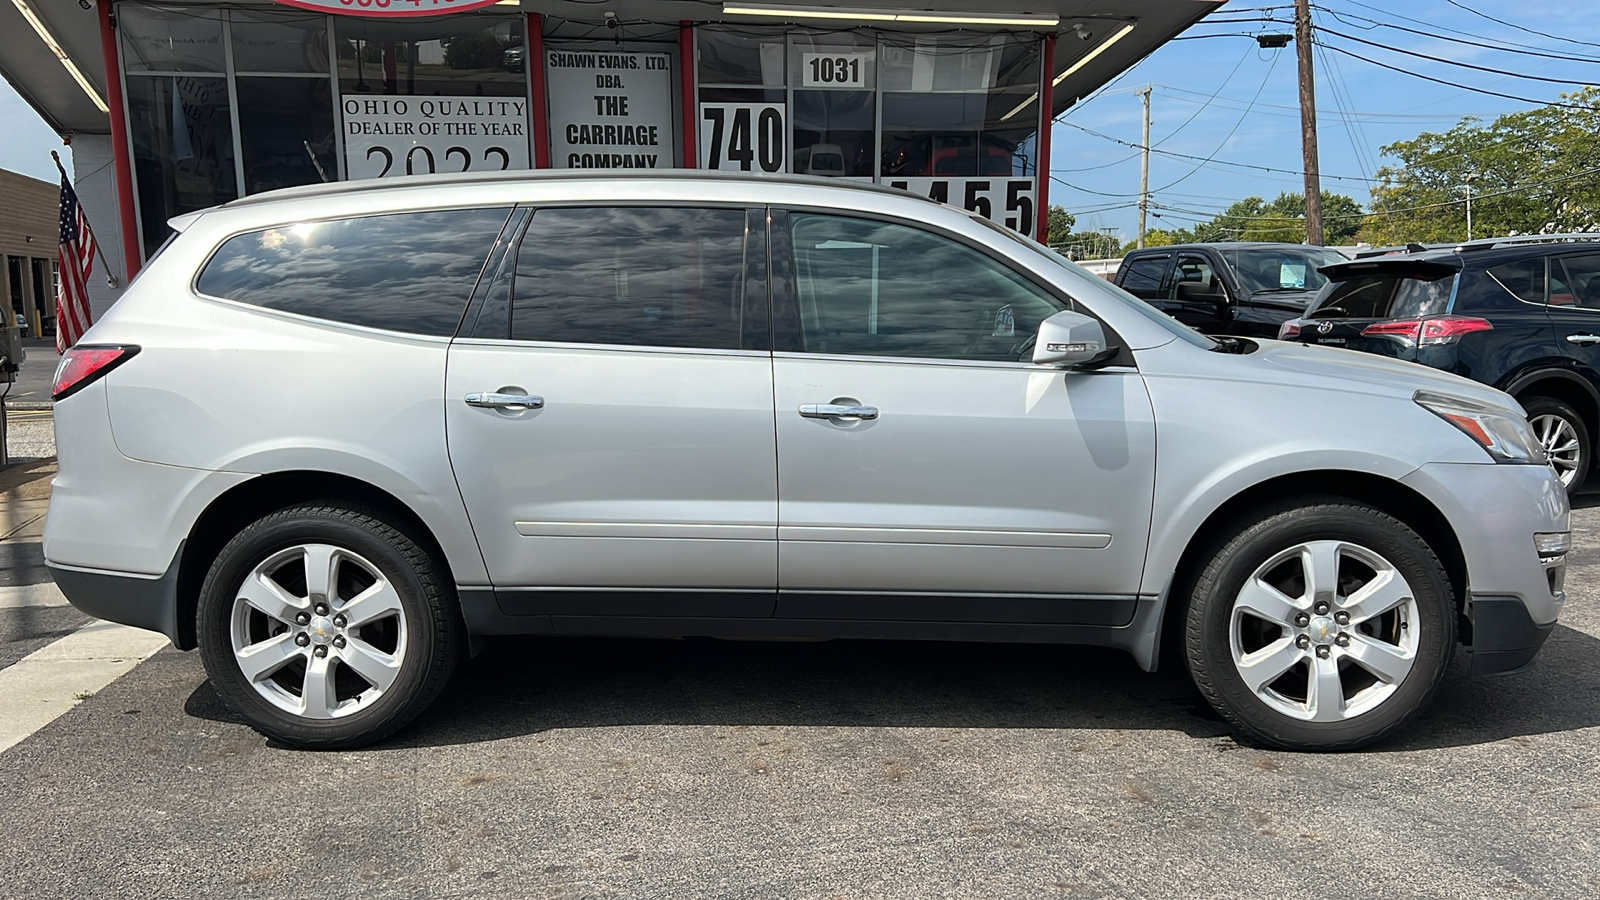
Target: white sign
pixel 1008 201
pixel 609 109
pixel 848 68
pixel 423 135
pixel 389 7
pixel 748 137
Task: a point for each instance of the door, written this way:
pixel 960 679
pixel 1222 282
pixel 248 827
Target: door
pixel 1195 295
pixel 1574 304
pixel 615 434
pixel 926 471
pixel 1145 275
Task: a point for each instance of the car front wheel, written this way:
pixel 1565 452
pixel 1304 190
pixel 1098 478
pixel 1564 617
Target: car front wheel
pixel 1565 437
pixel 1324 624
pixel 326 627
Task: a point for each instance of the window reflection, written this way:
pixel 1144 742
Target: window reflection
pixel 409 272
pixel 653 277
pixel 182 148
pixel 877 289
pixel 286 132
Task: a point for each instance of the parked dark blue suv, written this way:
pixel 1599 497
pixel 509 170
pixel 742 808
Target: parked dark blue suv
pixel 1521 314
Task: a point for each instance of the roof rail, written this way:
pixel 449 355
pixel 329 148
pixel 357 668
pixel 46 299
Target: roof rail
pixel 423 181
pixel 1487 243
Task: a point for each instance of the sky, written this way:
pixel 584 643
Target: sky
pixel 1225 99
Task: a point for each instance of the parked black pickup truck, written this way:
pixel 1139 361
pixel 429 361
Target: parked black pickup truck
pixel 1233 288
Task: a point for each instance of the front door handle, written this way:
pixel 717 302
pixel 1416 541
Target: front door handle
pixel 1583 340
pixel 492 400
pixel 837 411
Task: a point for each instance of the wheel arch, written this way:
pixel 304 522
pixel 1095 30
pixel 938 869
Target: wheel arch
pixel 1564 385
pixel 1382 493
pixel 244 503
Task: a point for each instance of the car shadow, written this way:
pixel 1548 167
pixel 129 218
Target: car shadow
pixel 523 686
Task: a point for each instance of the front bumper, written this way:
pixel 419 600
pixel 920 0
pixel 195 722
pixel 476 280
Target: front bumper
pixel 1505 638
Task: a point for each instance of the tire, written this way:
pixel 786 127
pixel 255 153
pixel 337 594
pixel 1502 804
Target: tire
pixel 1565 436
pixel 334 665
pixel 1251 609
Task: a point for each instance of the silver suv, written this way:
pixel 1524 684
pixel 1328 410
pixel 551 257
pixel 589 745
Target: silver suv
pixel 335 436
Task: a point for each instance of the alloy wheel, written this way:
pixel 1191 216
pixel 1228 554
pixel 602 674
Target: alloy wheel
pixel 1324 631
pixel 1559 437
pixel 318 631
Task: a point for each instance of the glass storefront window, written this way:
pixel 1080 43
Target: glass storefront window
pixel 449 56
pixel 744 57
pixel 156 39
pixel 279 42
pixel 183 148
pixel 960 107
pixel 286 132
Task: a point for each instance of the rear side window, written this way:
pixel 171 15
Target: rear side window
pixel 1144 275
pixel 660 277
pixel 1577 283
pixel 410 272
pixel 1523 278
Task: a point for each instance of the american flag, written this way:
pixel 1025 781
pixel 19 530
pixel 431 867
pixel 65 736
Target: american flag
pixel 75 257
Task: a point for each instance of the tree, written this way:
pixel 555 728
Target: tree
pixel 1059 224
pixel 1530 172
pixel 1254 219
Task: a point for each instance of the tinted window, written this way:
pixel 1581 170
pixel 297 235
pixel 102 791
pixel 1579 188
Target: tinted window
pixel 1580 284
pixel 403 271
pixel 653 277
pixel 876 289
pixel 1387 297
pixel 1195 270
pixel 1523 278
pixel 1144 275
pixel 1265 271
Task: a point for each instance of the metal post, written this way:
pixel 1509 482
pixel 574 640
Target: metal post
pixel 1144 167
pixel 1469 177
pixel 1308 121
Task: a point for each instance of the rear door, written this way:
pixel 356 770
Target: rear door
pixel 1143 275
pixel 611 425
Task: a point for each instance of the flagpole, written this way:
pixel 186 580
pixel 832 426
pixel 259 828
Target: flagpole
pixel 111 279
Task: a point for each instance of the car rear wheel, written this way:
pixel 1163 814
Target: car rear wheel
pixel 1565 437
pixel 326 627
pixel 1324 625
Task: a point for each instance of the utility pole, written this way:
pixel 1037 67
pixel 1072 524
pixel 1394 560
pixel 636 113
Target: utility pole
pixel 1308 121
pixel 1469 177
pixel 1144 166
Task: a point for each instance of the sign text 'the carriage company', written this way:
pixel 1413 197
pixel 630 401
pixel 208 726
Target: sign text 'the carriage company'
pixel 610 110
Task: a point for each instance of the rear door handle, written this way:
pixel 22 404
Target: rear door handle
pixel 837 411
pixel 491 400
pixel 1583 339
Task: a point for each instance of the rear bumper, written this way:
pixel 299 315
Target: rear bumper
pixel 1505 638
pixel 141 601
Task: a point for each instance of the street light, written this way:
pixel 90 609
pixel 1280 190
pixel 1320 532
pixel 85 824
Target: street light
pixel 1468 178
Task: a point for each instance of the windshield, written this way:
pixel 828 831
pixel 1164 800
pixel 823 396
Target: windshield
pixel 1134 303
pixel 1263 270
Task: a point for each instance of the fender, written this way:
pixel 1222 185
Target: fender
pixel 1563 370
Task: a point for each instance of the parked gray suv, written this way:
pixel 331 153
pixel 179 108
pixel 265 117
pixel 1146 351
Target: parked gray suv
pixel 335 436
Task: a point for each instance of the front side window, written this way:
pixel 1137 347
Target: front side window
pixel 410 272
pixel 1195 270
pixel 869 288
pixel 661 277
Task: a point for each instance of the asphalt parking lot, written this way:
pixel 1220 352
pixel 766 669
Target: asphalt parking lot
pixel 615 768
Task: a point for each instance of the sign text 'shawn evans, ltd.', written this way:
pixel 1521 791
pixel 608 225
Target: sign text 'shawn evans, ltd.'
pixel 610 110
pixel 423 135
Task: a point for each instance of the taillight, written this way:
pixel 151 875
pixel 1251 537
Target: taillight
pixel 1428 332
pixel 1289 329
pixel 80 366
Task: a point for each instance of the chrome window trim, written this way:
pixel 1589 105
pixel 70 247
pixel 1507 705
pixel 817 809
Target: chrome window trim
pixel 940 361
pixel 618 348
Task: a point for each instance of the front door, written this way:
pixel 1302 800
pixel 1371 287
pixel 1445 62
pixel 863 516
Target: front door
pixel 1196 296
pixel 613 439
pixel 927 470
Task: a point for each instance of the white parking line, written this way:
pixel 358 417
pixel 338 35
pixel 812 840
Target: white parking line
pixel 39 688
pixel 21 595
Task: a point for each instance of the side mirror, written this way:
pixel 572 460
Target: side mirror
pixel 1070 339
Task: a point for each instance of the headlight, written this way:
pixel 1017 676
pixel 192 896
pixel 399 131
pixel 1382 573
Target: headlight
pixel 1502 433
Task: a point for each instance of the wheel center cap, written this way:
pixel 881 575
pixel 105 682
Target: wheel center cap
pixel 1321 630
pixel 321 629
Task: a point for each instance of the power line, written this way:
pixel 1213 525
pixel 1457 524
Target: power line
pixel 1499 48
pixel 1235 130
pixel 1476 90
pixel 1553 37
pixel 1451 62
pixel 1437 27
pixel 1220 162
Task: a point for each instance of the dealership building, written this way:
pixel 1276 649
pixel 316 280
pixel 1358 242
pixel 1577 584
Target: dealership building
pixel 172 106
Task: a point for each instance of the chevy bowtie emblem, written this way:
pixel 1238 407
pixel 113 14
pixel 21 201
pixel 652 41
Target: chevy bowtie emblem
pixel 1324 327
